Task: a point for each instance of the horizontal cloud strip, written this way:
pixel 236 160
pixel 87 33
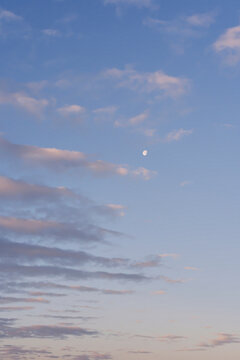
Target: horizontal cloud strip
pixel 11 189
pixel 15 286
pixel 57 159
pixel 33 253
pixel 44 331
pixel 54 230
pixel 11 270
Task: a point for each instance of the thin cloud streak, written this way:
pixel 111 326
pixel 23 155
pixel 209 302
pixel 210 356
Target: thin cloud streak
pixel 57 159
pixel 149 82
pixel 229 45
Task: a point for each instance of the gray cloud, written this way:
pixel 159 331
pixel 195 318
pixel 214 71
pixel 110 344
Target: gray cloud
pixel 44 331
pixel 15 308
pixel 7 300
pixel 51 285
pixel 221 339
pixel 11 189
pixel 55 230
pixel 33 253
pixel 93 356
pixel 12 352
pixel 137 3
pixel 68 273
pixel 163 338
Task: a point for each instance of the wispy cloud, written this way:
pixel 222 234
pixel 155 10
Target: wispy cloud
pixel 159 292
pixel 11 189
pixel 108 110
pixel 133 121
pixel 15 251
pixel 191 268
pixel 15 308
pixel 21 100
pixel 177 135
pixel 184 26
pixel 57 159
pixel 66 272
pixel 71 110
pixel 221 339
pixel 9 15
pixel 172 281
pixel 185 183
pixel 44 331
pixel 69 288
pixel 229 44
pixel 8 300
pixel 13 352
pixel 137 3
pixel 163 338
pixel 54 230
pixel 93 356
pixel 51 32
pixel 150 82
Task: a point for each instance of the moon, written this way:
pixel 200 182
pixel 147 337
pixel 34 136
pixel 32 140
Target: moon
pixel 145 152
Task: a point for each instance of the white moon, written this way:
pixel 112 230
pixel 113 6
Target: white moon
pixel 145 152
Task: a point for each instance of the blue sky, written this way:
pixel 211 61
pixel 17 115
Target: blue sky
pixel 107 252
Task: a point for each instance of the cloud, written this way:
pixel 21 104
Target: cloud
pixel 201 20
pixel 51 32
pixel 45 331
pixel 167 338
pixel 53 229
pixel 15 190
pixel 185 183
pixel 9 16
pixel 108 110
pixel 148 82
pixel 144 173
pixel 159 292
pixel 163 338
pixel 229 44
pixel 15 251
pixel 117 292
pixel 117 209
pixel 13 352
pixel 153 261
pixel 68 273
pixel 137 3
pixel 169 255
pixel 15 308
pixel 177 135
pixel 191 268
pixel 172 281
pixel 20 99
pixel 93 356
pixel 55 286
pixel 57 159
pixel 8 300
pixel 147 132
pixel 184 26
pixel 133 121
pixel 71 110
pixel 140 352
pixel 221 339
pixel 48 294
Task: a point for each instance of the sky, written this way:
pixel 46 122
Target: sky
pixel 119 179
